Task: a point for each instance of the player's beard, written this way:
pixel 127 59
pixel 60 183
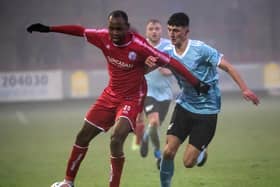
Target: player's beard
pixel 118 40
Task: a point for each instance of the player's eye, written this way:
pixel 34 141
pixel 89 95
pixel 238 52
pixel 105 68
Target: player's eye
pixel 115 28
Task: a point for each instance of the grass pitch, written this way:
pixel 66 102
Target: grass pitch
pixel 36 138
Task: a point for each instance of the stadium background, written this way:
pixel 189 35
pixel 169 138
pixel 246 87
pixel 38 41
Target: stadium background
pixel 52 69
pixel 247 32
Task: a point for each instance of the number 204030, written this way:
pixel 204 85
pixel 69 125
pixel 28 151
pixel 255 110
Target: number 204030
pixel 23 80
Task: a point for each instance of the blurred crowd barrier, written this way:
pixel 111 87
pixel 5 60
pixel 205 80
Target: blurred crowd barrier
pixel 83 83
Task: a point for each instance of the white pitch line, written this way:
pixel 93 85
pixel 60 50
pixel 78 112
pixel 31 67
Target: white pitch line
pixel 22 118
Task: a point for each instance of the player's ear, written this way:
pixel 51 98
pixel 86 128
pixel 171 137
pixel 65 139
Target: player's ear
pixel 187 30
pixel 128 25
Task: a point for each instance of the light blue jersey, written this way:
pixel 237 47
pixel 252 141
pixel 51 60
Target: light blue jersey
pixel 202 61
pixel 159 86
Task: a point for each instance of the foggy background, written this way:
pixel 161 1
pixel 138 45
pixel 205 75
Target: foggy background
pixel 64 74
pixel 246 31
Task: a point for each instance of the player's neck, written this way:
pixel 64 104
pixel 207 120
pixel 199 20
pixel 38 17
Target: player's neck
pixel 180 48
pixel 126 40
pixel 153 43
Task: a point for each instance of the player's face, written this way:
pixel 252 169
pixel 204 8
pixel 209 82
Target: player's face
pixel 153 32
pixel 118 29
pixel 177 34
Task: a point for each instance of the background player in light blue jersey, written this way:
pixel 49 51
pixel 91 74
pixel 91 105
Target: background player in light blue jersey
pixel 194 116
pixel 159 93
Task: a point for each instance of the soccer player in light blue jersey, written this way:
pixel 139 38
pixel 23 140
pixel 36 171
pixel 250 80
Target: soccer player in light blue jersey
pixel 194 116
pixel 159 94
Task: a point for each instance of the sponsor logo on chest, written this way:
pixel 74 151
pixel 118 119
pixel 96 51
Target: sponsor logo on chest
pixel 122 64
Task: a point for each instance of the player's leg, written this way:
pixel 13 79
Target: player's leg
pixel 177 132
pixel 162 108
pixel 125 123
pixel 190 156
pixel 144 146
pixel 119 134
pixel 98 119
pixel 79 150
pixel 151 130
pixel 203 131
pixel 86 134
pixel 167 162
pixel 139 131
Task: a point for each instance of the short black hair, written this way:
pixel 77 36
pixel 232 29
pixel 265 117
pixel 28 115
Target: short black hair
pixel 179 19
pixel 119 13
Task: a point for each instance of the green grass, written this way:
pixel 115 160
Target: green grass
pixel 35 140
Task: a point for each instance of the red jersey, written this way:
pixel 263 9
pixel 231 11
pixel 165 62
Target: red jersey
pixel 125 62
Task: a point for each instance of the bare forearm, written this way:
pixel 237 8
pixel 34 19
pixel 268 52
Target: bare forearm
pixel 246 92
pixel 227 67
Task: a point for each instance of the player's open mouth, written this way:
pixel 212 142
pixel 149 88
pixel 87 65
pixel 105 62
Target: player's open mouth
pixel 116 38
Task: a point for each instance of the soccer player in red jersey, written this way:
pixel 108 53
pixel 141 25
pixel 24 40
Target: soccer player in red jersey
pixel 123 98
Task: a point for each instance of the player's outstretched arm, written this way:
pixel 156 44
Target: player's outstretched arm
pixel 199 86
pixel 171 63
pixel 75 30
pixel 248 94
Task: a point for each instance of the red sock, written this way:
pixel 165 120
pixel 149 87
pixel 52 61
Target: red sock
pixel 116 171
pixel 139 130
pixel 76 157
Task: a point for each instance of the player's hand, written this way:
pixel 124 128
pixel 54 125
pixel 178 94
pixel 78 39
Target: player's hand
pixel 202 88
pixel 151 61
pixel 38 27
pixel 251 96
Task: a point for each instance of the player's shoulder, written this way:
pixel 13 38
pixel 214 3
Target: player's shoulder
pixel 168 48
pixel 137 38
pixel 196 43
pixel 202 48
pixel 141 42
pixel 199 45
pixel 165 41
pixel 162 44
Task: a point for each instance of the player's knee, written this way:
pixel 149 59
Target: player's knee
pixel 83 139
pixel 116 146
pixel 169 153
pixel 86 134
pixel 153 131
pixel 189 162
pixel 116 141
pixel 154 122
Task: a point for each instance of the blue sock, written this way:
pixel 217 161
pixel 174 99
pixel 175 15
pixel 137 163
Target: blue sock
pixel 157 154
pixel 166 172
